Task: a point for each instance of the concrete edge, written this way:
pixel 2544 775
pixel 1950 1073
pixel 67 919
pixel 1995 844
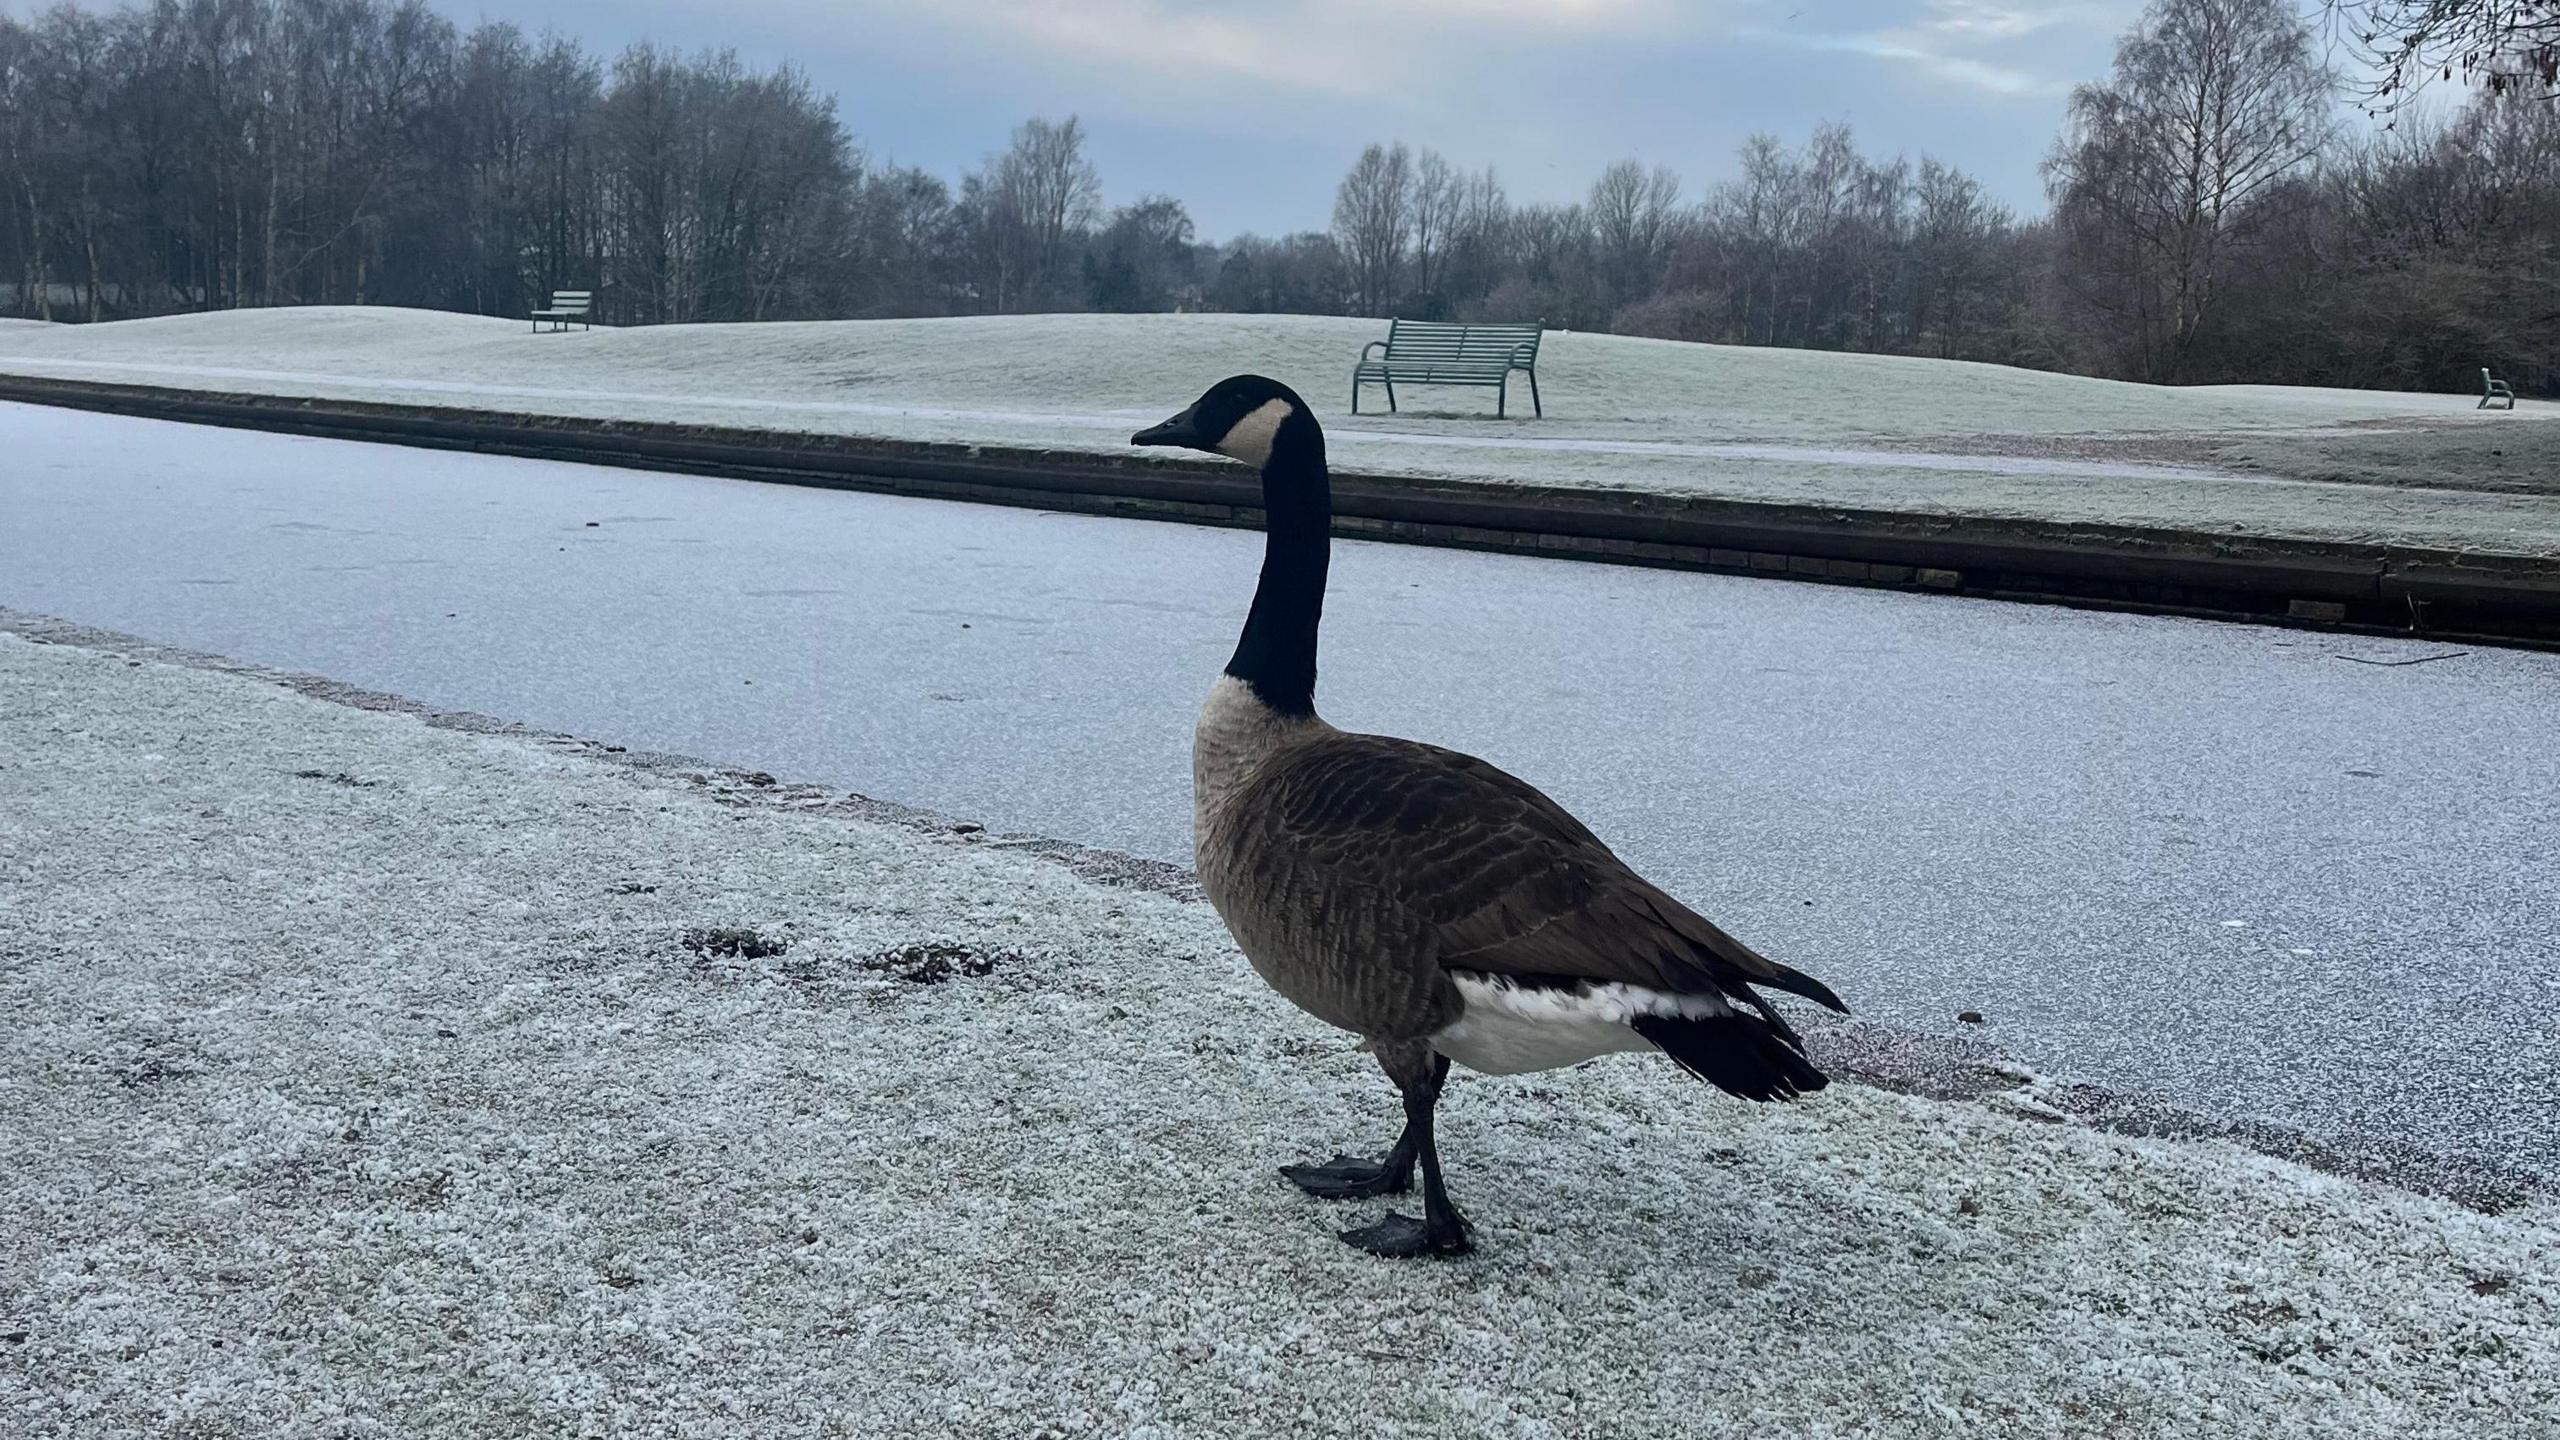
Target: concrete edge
pixel 2481 597
pixel 1861 1052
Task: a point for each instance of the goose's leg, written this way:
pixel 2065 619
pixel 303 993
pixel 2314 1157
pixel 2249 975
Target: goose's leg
pixel 1347 1178
pixel 1419 1072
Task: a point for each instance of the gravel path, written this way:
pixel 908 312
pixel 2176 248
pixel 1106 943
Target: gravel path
pixel 372 1078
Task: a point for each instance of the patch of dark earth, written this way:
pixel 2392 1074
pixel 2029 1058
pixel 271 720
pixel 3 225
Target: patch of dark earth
pixel 926 962
pixel 732 942
pixel 934 962
pixel 1909 1062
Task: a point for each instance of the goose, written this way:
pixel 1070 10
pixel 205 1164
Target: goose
pixel 1439 908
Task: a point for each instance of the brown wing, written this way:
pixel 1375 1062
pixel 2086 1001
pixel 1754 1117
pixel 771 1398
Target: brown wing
pixel 1431 848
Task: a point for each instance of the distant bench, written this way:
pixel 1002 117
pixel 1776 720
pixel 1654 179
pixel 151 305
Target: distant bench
pixel 566 306
pixel 2492 388
pixel 1431 352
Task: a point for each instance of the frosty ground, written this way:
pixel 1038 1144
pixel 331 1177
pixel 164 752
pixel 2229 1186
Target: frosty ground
pixel 1866 431
pixel 373 1076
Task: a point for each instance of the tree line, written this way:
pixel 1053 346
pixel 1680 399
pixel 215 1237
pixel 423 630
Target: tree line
pixel 2212 219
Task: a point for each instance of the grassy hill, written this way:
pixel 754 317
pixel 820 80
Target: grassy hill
pixel 1629 388
pixel 1796 426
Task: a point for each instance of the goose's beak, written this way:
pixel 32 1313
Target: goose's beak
pixel 1182 429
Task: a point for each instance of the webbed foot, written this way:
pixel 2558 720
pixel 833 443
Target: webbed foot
pixel 1345 1178
pixel 1401 1237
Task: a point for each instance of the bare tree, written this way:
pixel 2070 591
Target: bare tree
pixel 1439 193
pixel 1480 215
pixel 2500 45
pixel 1056 188
pixel 1142 260
pixel 1631 211
pixel 25 139
pixel 2211 103
pixel 1373 221
pixel 1302 274
pixel 1022 208
pixel 1953 241
pixel 902 244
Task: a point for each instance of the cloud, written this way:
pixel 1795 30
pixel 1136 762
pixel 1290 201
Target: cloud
pixel 1899 45
pixel 1975 44
pixel 1583 15
pixel 1366 47
pixel 1973 18
pixel 1151 37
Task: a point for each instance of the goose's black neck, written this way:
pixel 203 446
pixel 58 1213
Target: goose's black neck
pixel 1276 655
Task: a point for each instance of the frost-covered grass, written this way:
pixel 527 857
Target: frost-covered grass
pixel 1762 424
pixel 363 1077
pixel 1001 370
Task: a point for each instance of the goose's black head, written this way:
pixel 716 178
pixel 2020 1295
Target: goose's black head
pixel 1244 417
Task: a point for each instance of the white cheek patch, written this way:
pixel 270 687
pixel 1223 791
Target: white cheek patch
pixel 1249 439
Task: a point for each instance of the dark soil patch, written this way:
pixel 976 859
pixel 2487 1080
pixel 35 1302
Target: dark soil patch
pixel 149 1070
pixel 937 961
pixel 336 777
pixel 427 1190
pixel 731 942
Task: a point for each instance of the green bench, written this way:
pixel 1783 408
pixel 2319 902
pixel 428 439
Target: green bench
pixel 1432 352
pixel 566 306
pixel 2492 388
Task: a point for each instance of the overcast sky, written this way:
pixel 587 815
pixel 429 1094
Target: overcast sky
pixel 1250 110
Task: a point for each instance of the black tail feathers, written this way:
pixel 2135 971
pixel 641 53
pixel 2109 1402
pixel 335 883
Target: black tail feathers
pixel 1739 1054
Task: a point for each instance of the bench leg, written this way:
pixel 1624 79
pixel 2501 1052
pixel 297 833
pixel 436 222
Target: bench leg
pixel 1535 403
pixel 1391 392
pixel 1502 398
pixel 1355 392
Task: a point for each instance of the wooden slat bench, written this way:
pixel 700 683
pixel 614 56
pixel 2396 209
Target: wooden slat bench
pixel 1432 352
pixel 2492 388
pixel 566 306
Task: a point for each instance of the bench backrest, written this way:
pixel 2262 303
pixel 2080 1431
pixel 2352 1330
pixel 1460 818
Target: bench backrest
pixel 1439 341
pixel 572 301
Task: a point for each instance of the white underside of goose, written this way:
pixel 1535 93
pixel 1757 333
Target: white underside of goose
pixel 1511 1029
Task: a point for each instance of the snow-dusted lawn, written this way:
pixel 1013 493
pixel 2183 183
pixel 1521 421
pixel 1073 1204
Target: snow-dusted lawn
pixel 1131 367
pixel 1789 425
pixel 357 1080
